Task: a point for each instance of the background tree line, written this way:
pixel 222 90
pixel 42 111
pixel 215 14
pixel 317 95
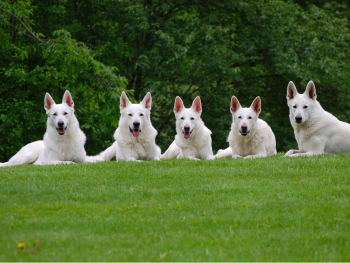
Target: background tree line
pixel 214 49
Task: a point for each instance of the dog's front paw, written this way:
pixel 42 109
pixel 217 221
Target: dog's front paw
pixel 93 159
pixel 210 157
pixel 193 158
pixel 60 162
pixel 250 157
pixel 290 152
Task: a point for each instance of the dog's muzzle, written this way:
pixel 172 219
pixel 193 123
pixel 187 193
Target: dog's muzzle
pixel 61 130
pixel 187 133
pixel 244 130
pixel 135 132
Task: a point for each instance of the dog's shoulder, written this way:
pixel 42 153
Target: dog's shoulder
pixel 263 127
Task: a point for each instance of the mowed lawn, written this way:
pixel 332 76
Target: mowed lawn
pixel 270 209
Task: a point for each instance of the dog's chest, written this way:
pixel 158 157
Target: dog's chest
pixel 68 150
pixel 245 145
pixel 139 146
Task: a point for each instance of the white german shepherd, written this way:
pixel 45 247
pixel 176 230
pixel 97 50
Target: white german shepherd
pixel 193 138
pixel 250 137
pixel 135 136
pixel 316 130
pixel 63 141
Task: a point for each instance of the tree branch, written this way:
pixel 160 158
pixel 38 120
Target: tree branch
pixel 33 36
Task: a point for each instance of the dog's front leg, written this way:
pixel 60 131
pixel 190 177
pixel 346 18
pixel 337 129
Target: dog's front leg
pixel 59 162
pixel 153 152
pixel 224 153
pixel 187 153
pixel 206 152
pixel 126 154
pixel 314 146
pixel 260 155
pixel 306 154
pixel 290 152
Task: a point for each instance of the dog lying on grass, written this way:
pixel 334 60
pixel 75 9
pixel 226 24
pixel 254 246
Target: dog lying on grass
pixel 135 135
pixel 316 130
pixel 193 138
pixel 250 137
pixel 63 141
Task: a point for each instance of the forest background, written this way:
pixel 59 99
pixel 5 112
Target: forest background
pixel 213 49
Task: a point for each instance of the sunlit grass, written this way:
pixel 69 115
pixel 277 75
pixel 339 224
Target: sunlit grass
pixel 271 209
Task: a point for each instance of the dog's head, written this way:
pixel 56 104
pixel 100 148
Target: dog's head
pixel 60 115
pixel 187 119
pixel 301 105
pixel 135 116
pixel 244 119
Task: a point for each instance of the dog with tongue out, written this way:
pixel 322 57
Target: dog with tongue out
pixel 63 140
pixel 135 136
pixel 193 138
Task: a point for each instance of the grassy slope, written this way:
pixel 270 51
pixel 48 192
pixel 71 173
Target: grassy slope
pixel 179 210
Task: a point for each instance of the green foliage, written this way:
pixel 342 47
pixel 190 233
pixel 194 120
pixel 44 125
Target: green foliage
pixel 30 68
pixel 269 209
pixel 171 48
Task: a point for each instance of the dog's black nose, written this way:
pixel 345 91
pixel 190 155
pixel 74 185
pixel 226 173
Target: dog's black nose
pixel 136 124
pixel 187 128
pixel 60 124
pixel 244 127
pixel 298 119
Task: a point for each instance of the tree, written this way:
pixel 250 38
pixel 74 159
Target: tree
pixel 214 49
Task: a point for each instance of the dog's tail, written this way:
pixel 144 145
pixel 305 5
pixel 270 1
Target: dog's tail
pixel 26 155
pixel 224 153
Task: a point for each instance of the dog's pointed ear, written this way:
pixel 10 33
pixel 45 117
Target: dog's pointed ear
pixel 124 101
pixel 67 98
pixel 197 105
pixel 256 105
pixel 147 101
pixel 310 90
pixel 291 90
pixel 49 102
pixel 178 105
pixel 235 105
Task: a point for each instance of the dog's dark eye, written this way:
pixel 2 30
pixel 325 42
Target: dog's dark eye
pixel 295 106
pixel 192 118
pixel 65 113
pixel 250 117
pixel 182 118
pixel 130 114
pixel 55 114
pixel 141 114
pixel 239 117
pixel 305 107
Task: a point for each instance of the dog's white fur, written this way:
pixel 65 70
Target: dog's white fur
pixel 316 130
pixel 193 138
pixel 135 135
pixel 250 137
pixel 63 141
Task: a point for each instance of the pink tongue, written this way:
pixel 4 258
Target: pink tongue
pixel 136 133
pixel 61 131
pixel 187 135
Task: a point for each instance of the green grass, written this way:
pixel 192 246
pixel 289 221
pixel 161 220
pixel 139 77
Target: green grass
pixel 270 209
